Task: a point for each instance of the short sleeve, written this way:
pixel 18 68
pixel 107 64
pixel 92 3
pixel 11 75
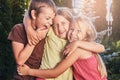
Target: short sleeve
pixel 18 34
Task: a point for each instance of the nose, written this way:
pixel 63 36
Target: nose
pixel 50 21
pixel 60 28
pixel 73 32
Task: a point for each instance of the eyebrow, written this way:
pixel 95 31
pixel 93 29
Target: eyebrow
pixel 63 22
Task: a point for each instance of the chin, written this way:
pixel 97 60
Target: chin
pixel 73 40
pixel 62 37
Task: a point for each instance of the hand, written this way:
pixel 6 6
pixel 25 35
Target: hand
pixel 23 70
pixel 70 48
pixel 41 33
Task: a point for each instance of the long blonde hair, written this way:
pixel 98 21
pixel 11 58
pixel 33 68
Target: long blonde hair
pixel 65 12
pixel 101 66
pixel 91 33
pixel 91 36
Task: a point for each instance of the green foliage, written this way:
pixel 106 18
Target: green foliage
pixel 11 12
pixel 113 61
pixel 58 2
pixel 64 3
pixel 115 46
pixel 113 68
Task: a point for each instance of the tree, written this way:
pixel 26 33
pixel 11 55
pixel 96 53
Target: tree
pixel 11 12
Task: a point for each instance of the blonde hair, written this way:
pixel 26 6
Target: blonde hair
pixel 91 36
pixel 91 33
pixel 65 12
pixel 101 66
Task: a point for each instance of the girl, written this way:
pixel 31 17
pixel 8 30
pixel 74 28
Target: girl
pixel 87 65
pixel 41 13
pixel 53 56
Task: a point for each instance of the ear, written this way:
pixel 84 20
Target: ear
pixel 33 14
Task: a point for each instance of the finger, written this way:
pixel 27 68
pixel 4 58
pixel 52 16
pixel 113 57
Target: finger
pixel 39 37
pixel 35 39
pixel 20 73
pixel 17 69
pixel 33 42
pixel 66 52
pixel 69 53
pixel 29 42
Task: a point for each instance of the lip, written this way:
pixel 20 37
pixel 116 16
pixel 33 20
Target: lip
pixel 62 32
pixel 44 28
pixel 73 38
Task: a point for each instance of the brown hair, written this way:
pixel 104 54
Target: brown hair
pixel 38 4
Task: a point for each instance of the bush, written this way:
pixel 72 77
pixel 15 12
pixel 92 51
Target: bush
pixel 11 12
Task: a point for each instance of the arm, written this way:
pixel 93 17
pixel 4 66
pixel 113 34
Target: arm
pixel 90 46
pixel 34 34
pixel 30 30
pixel 21 52
pixel 51 73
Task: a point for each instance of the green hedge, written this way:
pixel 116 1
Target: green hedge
pixel 11 12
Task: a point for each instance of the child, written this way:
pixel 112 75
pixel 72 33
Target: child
pixel 55 43
pixel 41 12
pixel 83 60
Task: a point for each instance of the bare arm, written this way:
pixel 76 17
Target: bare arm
pixel 90 46
pixel 21 52
pixel 51 73
pixel 34 34
pixel 30 30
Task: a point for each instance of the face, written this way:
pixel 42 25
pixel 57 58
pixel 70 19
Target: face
pixel 77 31
pixel 61 26
pixel 44 19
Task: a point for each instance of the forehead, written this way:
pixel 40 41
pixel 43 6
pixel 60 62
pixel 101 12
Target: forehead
pixel 47 11
pixel 60 18
pixel 79 25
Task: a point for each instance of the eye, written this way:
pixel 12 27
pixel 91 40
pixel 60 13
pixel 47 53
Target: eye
pixel 63 23
pixel 47 18
pixel 78 30
pixel 70 29
pixel 55 25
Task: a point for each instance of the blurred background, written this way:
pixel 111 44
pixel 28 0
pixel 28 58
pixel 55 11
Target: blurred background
pixel 105 15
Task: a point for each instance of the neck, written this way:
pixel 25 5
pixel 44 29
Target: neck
pixel 33 25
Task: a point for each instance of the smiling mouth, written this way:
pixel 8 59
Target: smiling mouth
pixel 73 38
pixel 44 28
pixel 62 32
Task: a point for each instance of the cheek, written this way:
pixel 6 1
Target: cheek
pixel 67 28
pixel 38 22
pixel 79 36
pixel 56 31
pixel 68 35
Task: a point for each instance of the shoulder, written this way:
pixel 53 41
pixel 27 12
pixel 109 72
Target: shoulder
pixel 18 33
pixel 50 32
pixel 18 27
